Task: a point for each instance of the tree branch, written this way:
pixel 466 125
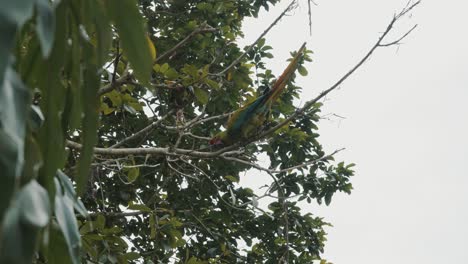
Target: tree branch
pixel 125 78
pixel 396 42
pixel 230 150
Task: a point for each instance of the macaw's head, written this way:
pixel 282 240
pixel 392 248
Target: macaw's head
pixel 219 139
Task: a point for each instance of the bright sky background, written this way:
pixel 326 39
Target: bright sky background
pixel 405 125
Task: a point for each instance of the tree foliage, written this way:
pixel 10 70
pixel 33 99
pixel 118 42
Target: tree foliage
pixel 114 102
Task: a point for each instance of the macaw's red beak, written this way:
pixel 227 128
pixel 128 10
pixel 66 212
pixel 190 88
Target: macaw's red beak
pixel 216 141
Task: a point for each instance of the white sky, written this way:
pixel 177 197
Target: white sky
pixel 405 128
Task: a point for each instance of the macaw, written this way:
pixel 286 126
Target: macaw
pixel 247 120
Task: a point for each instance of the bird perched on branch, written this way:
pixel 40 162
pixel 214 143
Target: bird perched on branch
pixel 246 121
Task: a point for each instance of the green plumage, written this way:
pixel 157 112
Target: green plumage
pixel 247 120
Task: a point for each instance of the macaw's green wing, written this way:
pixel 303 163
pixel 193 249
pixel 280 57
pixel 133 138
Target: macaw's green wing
pixel 249 116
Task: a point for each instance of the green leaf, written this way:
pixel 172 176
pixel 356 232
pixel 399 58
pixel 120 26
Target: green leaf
pixel 130 26
pixel 69 191
pixel 90 87
pixel 164 68
pixel 53 92
pixel 231 178
pixel 13 14
pixel 17 11
pixel 157 67
pixel 100 222
pixel 328 198
pixel 14 102
pixel 18 242
pixel 268 55
pixel 58 250
pixel 45 25
pixel 302 71
pixel 132 174
pixel 190 70
pixel 152 223
pixel 34 205
pixel 261 42
pixel 111 231
pixel 67 222
pixel 212 84
pixel 32 160
pixel 8 32
pixel 115 98
pixel 75 71
pixel 29 212
pixel 131 256
pixel 201 95
pixel 98 25
pixel 139 207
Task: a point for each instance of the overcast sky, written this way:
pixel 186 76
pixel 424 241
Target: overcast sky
pixel 405 125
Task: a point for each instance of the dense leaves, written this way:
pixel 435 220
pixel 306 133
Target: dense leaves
pixel 127 76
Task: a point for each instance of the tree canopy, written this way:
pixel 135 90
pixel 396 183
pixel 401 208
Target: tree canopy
pixel 106 111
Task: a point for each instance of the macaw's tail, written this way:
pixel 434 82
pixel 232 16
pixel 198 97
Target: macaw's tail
pixel 284 78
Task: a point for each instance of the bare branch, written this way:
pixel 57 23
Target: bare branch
pixel 133 213
pixel 181 173
pixel 125 78
pixel 230 150
pixel 396 42
pixel 309 11
pixel 197 137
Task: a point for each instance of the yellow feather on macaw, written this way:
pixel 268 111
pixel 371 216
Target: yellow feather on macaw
pixel 247 120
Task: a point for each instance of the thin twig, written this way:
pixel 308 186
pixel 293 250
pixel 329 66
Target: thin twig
pixel 125 78
pixel 396 42
pixel 127 214
pixel 181 173
pixel 116 62
pixel 197 137
pixel 310 14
